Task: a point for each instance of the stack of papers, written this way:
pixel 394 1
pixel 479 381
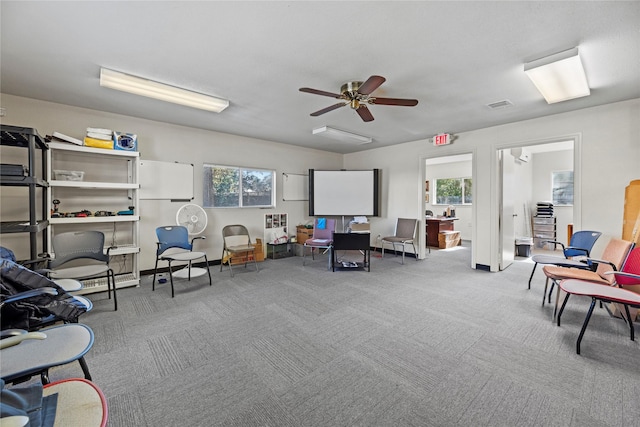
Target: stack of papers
pixel 66 138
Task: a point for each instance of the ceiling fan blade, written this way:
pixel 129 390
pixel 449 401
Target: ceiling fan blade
pixel 364 113
pixel 320 92
pixel 394 101
pixel 371 84
pixel 331 108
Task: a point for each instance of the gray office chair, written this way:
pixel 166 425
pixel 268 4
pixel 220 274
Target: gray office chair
pixel 82 245
pixel 236 243
pixel 405 233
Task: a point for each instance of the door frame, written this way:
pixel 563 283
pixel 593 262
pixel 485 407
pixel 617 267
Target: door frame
pixel 496 232
pixel 450 152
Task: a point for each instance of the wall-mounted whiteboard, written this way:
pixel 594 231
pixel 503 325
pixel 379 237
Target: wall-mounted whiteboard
pixel 165 180
pixel 295 187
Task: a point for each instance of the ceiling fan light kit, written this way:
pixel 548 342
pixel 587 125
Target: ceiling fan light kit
pixel 152 89
pixel 342 135
pixel 357 94
pixel 559 77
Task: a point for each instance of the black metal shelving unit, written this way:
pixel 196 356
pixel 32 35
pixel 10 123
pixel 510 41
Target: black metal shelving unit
pixel 28 138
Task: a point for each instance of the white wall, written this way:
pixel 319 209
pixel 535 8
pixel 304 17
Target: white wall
pixel 608 152
pixel 522 202
pixel 543 165
pixel 161 141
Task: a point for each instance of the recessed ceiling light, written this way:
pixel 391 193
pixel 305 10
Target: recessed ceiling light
pixel 559 77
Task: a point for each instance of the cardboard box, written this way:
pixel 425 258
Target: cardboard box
pixel 361 228
pixel 448 239
pixel 303 233
pixel 241 259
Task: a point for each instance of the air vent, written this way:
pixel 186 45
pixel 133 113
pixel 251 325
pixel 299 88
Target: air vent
pixel 500 104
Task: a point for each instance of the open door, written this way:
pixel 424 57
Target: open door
pixel 507 211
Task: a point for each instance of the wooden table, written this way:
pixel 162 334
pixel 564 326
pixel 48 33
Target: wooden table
pixel 435 225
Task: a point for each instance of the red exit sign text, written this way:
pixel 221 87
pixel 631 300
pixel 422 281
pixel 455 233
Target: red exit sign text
pixel 442 139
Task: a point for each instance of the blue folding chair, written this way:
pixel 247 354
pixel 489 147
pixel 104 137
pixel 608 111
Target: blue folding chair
pixel 174 245
pixel 580 244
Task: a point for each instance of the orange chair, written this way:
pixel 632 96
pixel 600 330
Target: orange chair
pixel 613 258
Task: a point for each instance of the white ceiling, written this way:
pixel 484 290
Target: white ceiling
pixel 454 57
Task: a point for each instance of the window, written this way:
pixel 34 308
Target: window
pixel 237 187
pixel 453 191
pixel 562 188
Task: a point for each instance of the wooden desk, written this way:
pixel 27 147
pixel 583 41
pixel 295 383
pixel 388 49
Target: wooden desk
pixel 435 225
pixel 352 242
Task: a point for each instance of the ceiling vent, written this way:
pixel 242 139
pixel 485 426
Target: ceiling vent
pixel 500 104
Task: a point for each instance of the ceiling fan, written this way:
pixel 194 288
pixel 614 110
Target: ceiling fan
pixel 357 95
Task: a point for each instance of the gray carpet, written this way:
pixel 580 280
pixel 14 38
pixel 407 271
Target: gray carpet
pixel 427 343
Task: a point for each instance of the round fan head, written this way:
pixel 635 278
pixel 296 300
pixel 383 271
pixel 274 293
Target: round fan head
pixel 193 217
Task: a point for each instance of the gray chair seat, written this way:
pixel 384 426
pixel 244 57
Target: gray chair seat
pixel 184 256
pixel 79 272
pixel 63 344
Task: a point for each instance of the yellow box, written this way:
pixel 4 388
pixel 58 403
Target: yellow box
pixel 98 143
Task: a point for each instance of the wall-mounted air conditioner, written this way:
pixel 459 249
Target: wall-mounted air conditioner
pixel 520 154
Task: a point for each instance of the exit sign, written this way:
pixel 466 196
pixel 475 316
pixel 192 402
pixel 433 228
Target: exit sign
pixel 442 139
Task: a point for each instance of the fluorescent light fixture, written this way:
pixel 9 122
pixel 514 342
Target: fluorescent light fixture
pixel 342 135
pixel 149 88
pixel 559 77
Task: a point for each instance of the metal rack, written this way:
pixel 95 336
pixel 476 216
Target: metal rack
pixel 28 138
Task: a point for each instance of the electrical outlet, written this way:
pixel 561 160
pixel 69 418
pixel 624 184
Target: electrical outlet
pixel 3 111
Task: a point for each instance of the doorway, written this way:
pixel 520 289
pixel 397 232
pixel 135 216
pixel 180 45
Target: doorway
pixel 450 167
pixel 525 180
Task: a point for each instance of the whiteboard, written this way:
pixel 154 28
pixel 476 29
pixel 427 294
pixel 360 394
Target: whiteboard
pixel 295 187
pixel 344 193
pixel 165 180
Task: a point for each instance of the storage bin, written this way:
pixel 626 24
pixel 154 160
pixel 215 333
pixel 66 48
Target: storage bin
pixel 62 175
pixel 523 246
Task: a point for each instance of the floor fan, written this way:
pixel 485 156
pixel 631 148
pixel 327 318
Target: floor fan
pixel 194 219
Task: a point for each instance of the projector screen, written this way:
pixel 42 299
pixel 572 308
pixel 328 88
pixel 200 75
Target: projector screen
pixel 343 193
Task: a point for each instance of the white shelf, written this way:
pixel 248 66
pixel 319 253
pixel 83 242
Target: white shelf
pixel 112 165
pixel 123 250
pixel 94 185
pixel 100 285
pixel 95 219
pixel 92 150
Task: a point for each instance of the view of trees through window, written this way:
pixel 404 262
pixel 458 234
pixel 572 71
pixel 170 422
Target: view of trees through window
pixel 236 187
pixel 453 191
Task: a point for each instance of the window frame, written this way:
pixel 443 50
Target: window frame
pixel 560 182
pixel 241 195
pixel 464 195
